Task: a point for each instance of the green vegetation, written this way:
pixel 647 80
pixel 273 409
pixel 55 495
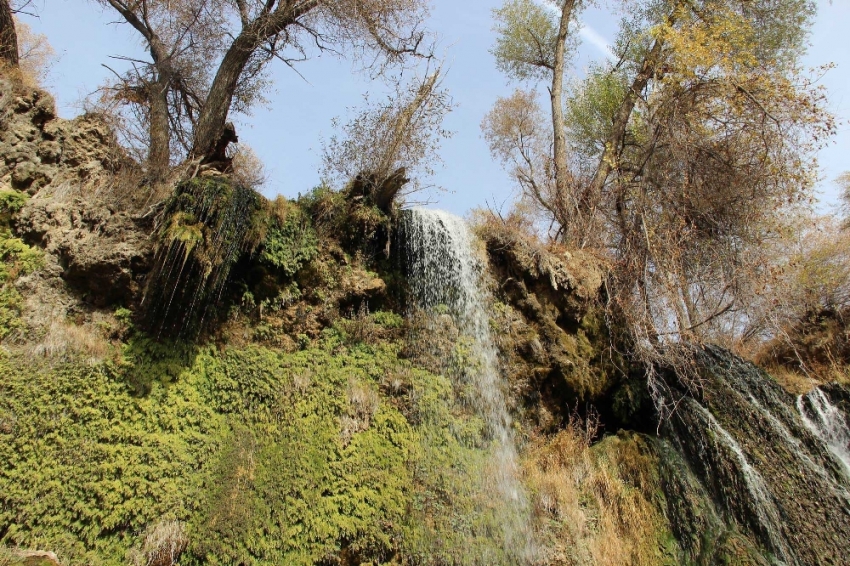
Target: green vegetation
pixel 205 227
pixel 290 240
pixel 266 457
pixel 17 259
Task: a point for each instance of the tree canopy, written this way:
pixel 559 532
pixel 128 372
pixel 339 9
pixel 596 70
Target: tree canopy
pixel 208 57
pixel 685 156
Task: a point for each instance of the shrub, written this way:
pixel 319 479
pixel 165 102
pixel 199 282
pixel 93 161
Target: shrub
pixel 290 240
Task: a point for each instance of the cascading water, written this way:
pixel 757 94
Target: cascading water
pixel 444 271
pixel 765 508
pixel 768 462
pixel 827 422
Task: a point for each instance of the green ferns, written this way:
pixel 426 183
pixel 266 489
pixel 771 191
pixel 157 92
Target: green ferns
pixel 290 240
pixel 246 447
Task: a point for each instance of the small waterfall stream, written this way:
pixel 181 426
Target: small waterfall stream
pixel 773 462
pixel 445 272
pixel 761 498
pixel 826 422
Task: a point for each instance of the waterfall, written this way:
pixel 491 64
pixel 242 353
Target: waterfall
pixel 797 446
pixel 827 422
pixel 771 471
pixel 765 508
pixel 444 272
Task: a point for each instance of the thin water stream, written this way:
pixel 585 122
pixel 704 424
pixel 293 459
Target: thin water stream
pixel 768 514
pixel 828 423
pixel 445 272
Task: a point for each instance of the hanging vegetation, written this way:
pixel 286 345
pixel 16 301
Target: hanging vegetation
pixel 203 230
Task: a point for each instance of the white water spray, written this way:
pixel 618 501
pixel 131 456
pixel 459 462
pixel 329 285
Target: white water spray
pixel 828 423
pixel 445 271
pixel 765 508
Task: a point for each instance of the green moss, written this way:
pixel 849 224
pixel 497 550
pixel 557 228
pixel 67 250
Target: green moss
pixel 17 259
pixel 205 228
pixel 246 447
pixel 349 218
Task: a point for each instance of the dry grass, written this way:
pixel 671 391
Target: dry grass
pixel 594 504
pixel 578 271
pixel 18 557
pixel 813 351
pixel 163 544
pixel 362 404
pixel 63 340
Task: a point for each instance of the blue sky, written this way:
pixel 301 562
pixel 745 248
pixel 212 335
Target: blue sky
pixel 286 134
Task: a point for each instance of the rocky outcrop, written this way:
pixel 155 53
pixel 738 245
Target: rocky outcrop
pixel 38 149
pixel 104 253
pixel 69 168
pixel 555 333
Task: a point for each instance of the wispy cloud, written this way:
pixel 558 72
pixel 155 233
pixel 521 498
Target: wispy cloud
pixel 596 39
pixel 588 34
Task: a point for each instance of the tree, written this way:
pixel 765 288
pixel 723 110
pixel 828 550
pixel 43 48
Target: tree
pixel 168 90
pixel 208 56
pixel 532 43
pixel 389 147
pixel 8 35
pixel 690 152
pixel 36 55
pixel 520 137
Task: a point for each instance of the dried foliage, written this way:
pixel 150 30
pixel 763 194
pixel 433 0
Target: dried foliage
pixel 403 132
pixel 248 169
pixel 844 186
pixel 36 55
pixel 163 544
pixel 797 320
pixel 597 505
pixel 520 138
pixel 208 58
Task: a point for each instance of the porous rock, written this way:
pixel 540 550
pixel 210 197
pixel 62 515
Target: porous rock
pixel 103 253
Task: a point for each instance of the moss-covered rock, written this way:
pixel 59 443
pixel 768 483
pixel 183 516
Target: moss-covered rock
pixel 203 230
pixel 340 452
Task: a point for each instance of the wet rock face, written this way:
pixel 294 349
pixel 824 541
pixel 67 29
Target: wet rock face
pixel 553 335
pixel 746 441
pixel 706 537
pixel 104 253
pixel 38 149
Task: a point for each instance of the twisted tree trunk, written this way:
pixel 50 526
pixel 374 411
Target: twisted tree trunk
pixel 214 112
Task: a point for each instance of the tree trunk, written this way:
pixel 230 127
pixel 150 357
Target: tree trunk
pixel 214 112
pixel 384 194
pixel 8 35
pixel 217 105
pixel 556 92
pixel 159 130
